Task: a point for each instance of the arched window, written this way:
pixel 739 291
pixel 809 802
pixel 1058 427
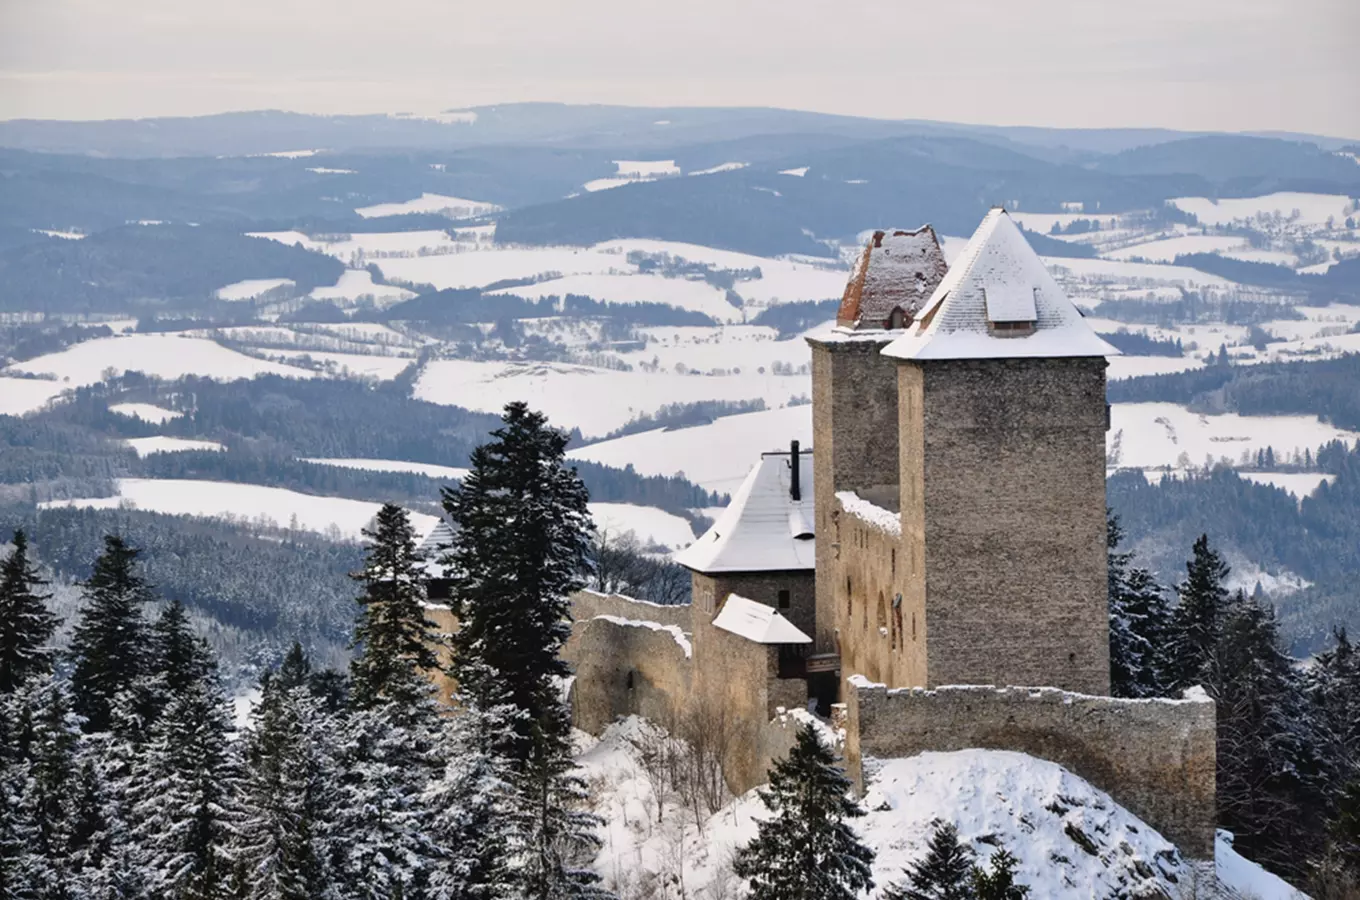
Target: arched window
pixel 849 599
pixel 882 613
pixel 898 319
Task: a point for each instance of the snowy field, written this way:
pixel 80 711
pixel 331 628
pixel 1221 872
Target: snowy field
pixel 155 415
pixel 251 503
pixel 733 347
pixel 1133 366
pixel 252 288
pixel 1300 484
pixel 716 456
pixel 651 526
pixel 1168 249
pixel 452 473
pixel 1152 435
pixel 347 365
pixel 1113 270
pixel 145 446
pixel 595 400
pixel 1313 209
pixel 166 356
pixel 438 204
pixel 995 798
pixel 698 296
pixel 355 284
pixel 482 267
pixel 26 395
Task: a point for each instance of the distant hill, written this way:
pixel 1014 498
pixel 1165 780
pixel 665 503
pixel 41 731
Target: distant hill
pixel 1224 158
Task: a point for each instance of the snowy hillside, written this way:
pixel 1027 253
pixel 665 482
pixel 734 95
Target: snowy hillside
pixel 1072 840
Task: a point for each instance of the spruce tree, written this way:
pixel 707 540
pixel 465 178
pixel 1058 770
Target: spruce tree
pixel 109 644
pixel 26 625
pixel 520 551
pixel 807 850
pixel 295 671
pixel 395 638
pixel 997 881
pixel 1139 622
pixel 21 869
pixel 944 873
pixel 1198 619
pixel 50 799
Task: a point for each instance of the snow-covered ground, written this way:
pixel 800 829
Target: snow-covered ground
pixel 1300 484
pixel 251 503
pixel 166 356
pixel 252 288
pixel 684 293
pixel 26 395
pixel 1152 435
pixel 733 347
pixel 651 526
pixel 156 415
pixel 1168 249
pixel 347 365
pixel 595 400
pixel 1313 209
pixel 1133 366
pixel 1131 272
pixel 996 799
pixel 453 473
pixel 482 267
pixel 438 204
pixel 145 446
pixel 716 456
pixel 355 284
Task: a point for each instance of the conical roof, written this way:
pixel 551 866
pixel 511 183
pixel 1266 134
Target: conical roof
pixel 998 280
pixel 898 270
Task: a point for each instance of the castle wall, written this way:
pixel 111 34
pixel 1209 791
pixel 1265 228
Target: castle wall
pixel 446 624
pixel 854 440
pixel 589 604
pixel 625 667
pixel 882 642
pixel 709 592
pixel 1154 757
pixel 1012 502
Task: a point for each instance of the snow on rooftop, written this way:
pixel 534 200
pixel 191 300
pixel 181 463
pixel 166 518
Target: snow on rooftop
pixel 898 270
pixel 870 513
pixel 673 630
pixel 757 622
pixel 999 262
pixel 763 529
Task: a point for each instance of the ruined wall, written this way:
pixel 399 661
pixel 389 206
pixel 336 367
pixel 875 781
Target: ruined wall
pixel 1010 470
pixel 623 669
pixel 854 439
pixel 446 624
pixel 882 642
pixel 589 604
pixel 1154 757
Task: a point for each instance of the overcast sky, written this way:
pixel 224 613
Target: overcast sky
pixel 1192 64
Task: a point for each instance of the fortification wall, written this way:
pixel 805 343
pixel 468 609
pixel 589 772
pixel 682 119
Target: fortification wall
pixel 1012 461
pixel 1154 757
pixel 882 641
pixel 627 667
pixel 711 591
pixel 854 441
pixel 446 623
pixel 589 604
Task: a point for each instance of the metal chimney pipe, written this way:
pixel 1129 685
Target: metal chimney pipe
pixel 796 470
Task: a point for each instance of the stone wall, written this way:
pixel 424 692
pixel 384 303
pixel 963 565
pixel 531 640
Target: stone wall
pixel 854 442
pixel 710 591
pixel 627 669
pixel 446 624
pixel 589 604
pixel 1009 477
pixel 1154 757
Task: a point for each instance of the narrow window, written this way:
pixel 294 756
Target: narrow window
pixel 882 613
pixel 913 626
pixel 894 561
pixel 783 599
pixel 630 679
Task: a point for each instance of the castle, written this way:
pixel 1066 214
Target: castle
pixel 931 574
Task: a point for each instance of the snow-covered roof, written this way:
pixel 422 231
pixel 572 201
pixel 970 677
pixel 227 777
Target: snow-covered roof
pixel 433 547
pixel 757 622
pixel 898 270
pixel 763 529
pixel 998 279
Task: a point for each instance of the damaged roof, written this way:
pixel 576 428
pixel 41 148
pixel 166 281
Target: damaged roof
pixel 898 270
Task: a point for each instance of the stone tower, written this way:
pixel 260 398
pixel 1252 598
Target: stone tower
pixel 1002 420
pixel 854 388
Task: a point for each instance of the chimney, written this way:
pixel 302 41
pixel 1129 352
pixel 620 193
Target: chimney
pixel 796 470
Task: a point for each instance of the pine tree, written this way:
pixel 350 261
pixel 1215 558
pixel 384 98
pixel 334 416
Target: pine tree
pixel 997 882
pixel 109 645
pixel 26 625
pixel 21 869
pixel 945 873
pixel 278 846
pixel 521 550
pixel 1139 622
pixel 807 850
pixel 395 637
pixel 1198 619
pixel 108 864
pixel 184 793
pixel 53 741
pixel 296 670
pixel 1264 745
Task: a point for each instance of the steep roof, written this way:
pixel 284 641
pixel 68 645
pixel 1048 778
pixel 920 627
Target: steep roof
pixel 998 278
pixel 757 622
pixel 897 270
pixel 760 529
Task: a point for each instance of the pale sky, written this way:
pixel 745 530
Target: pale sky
pixel 1231 65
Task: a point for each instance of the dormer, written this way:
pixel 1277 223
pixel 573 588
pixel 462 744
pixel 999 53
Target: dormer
pixel 1011 309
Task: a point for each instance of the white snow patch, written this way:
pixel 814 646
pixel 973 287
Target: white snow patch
pixel 25 395
pixel 321 170
pixel 757 622
pixel 430 470
pixel 796 173
pixel 884 520
pixel 721 167
pixel 438 204
pixel 646 168
pixel 1312 209
pixel 145 446
pixel 251 288
pixel 1246 877
pixel 674 630
pixel 698 296
pixel 1133 366
pixel 356 284
pixel 1300 484
pixel 651 526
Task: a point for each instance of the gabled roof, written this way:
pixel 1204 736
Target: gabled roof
pixel 998 273
pixel 758 532
pixel 439 540
pixel 897 270
pixel 757 622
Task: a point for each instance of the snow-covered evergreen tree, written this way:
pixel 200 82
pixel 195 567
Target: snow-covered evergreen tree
pixel 185 792
pixel 944 873
pixel 109 645
pixel 108 863
pixel 52 739
pixel 521 550
pixel 395 637
pixel 26 625
pixel 1139 622
pixel 997 881
pixel 807 850
pixel 286 795
pixel 1198 619
pixel 21 869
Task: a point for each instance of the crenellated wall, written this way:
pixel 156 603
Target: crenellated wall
pixel 1154 757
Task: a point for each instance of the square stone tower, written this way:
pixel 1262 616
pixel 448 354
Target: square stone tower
pixel 1002 420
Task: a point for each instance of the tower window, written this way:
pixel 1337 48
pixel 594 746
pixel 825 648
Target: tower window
pixel 784 600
